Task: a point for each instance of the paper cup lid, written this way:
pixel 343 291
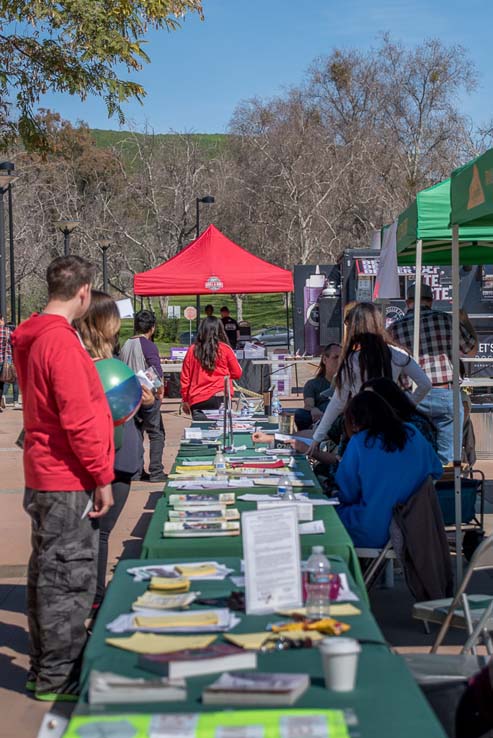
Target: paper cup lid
pixel 341 646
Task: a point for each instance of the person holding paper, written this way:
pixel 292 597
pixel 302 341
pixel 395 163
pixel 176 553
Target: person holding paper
pixel 368 352
pixel 206 363
pixel 385 462
pixel 68 467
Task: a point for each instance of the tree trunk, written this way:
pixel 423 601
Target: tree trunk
pixel 239 307
pixel 163 306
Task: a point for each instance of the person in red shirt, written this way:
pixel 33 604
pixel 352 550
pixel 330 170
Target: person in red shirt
pixel 68 469
pixel 206 363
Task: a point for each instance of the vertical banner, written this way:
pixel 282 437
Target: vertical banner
pixel 387 281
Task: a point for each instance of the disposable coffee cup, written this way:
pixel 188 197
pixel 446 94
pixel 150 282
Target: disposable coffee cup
pixel 340 663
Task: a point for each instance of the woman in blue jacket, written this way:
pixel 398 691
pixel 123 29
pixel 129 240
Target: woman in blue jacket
pixel 385 462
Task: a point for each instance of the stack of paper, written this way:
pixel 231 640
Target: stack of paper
pixel 200 529
pixel 191 570
pixel 151 643
pixel 111 689
pixel 151 601
pixel 196 621
pixel 226 498
pixel 204 513
pixel 166 584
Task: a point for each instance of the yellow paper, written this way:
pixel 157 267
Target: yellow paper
pixel 172 621
pixel 163 584
pixel 201 570
pixel 255 640
pixel 152 643
pixel 337 610
pixel 192 470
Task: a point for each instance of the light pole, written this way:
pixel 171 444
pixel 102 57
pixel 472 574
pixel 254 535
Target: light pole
pixel 104 246
pixel 66 227
pixel 207 200
pixel 6 180
pixel 8 167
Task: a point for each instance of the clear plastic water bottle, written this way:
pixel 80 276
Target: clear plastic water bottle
pixel 220 463
pixel 317 584
pixel 281 490
pixel 276 407
pixel 289 494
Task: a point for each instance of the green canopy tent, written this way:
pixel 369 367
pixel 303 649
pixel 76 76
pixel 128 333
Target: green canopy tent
pixel 424 236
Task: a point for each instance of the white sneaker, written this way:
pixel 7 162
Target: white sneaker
pixel 17 405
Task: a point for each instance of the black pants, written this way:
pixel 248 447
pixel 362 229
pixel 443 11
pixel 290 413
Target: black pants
pixel 120 488
pixel 213 403
pixel 153 426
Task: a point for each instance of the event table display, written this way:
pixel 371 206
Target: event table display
pixel 336 540
pixel 385 702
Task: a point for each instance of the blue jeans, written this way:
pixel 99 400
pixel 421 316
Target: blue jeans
pixel 439 407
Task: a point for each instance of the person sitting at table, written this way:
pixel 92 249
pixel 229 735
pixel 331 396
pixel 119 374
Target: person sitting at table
pixel 206 363
pixel 368 352
pixel 385 462
pixel 403 407
pixel 318 390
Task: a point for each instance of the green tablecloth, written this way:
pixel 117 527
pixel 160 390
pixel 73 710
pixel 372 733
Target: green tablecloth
pixel 336 540
pixel 386 701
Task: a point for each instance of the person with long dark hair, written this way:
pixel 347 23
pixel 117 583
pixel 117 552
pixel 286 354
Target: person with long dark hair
pixel 368 352
pixel 403 407
pixel 384 463
pixel 318 390
pixel 99 329
pixel 206 363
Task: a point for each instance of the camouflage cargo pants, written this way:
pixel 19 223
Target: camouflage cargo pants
pixel 61 585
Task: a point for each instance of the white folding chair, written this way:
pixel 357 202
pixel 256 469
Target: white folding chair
pixel 474 613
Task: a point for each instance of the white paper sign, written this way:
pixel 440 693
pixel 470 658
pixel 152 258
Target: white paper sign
pixel 271 551
pixel 125 308
pixel 304 509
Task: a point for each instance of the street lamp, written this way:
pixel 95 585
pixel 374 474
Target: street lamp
pixel 207 200
pixel 8 167
pixel 104 246
pixel 66 227
pixel 6 180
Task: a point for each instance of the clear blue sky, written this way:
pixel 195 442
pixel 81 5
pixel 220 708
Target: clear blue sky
pixel 247 48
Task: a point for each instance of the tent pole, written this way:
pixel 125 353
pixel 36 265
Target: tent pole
pixel 197 320
pixel 417 298
pixel 456 396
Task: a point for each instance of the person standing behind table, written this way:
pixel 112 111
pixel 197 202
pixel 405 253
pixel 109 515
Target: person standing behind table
pixel 206 363
pixel 231 327
pixel 435 358
pixel 68 468
pixel 209 311
pixel 140 352
pixel 99 330
pixel 385 462
pixel 318 391
pixel 368 352
pixel 5 355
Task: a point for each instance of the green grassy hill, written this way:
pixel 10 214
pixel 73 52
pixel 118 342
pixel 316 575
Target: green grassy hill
pixel 211 142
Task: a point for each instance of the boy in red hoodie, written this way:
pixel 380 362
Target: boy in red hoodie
pixel 68 468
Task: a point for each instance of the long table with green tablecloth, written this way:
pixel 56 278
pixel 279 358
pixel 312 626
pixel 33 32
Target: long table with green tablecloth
pixel 386 701
pixel 336 540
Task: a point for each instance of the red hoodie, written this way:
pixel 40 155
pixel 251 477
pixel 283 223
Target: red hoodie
pixel 68 444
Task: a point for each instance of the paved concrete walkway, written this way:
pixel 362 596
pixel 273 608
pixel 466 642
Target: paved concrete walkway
pixel 22 715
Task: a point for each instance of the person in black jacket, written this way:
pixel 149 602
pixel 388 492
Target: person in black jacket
pixel 99 332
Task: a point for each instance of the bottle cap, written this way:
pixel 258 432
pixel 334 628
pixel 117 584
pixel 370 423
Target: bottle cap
pixel 317 549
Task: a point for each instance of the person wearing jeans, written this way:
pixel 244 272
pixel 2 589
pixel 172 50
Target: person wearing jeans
pixel 435 358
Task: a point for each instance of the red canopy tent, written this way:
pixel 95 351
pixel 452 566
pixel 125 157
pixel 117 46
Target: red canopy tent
pixel 210 265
